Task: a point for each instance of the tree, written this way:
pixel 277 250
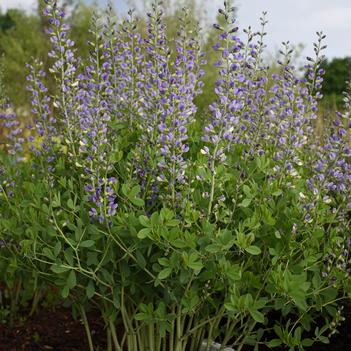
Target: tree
pixel 6 21
pixel 338 72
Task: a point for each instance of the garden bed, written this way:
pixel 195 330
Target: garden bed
pixel 57 330
pixel 51 330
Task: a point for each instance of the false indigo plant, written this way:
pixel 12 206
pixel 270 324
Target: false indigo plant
pixel 183 236
pixel 10 126
pixel 45 122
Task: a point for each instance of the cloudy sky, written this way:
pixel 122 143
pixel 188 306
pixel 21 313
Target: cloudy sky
pixel 293 20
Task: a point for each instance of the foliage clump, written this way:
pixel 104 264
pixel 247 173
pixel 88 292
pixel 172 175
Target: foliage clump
pixel 180 229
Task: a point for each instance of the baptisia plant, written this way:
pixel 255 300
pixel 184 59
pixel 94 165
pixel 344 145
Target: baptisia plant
pixel 183 229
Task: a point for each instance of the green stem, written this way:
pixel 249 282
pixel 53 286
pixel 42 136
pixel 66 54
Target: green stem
pixel 14 302
pixel 199 326
pixel 213 178
pixel 158 342
pixel 139 339
pixel 151 336
pixel 114 335
pixel 171 335
pixel 109 341
pixel 35 302
pixel 86 326
pixel 178 341
pixel 245 334
pixel 230 329
pixel 209 338
pixel 196 341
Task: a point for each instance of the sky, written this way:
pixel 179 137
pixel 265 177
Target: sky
pixel 293 20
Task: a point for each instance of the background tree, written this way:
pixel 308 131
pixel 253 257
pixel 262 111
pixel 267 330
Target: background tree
pixel 336 76
pixel 6 21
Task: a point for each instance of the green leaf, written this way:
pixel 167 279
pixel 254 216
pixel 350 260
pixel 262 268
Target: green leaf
pixel 57 248
pixel 65 292
pixel 166 214
pixel 26 244
pixel 267 216
pixel 137 202
pixel 144 221
pixel 172 223
pixel 56 201
pixel 297 287
pixel 260 303
pixel 319 233
pixel 134 192
pixel 307 342
pixel 214 248
pixel 179 243
pixel 140 259
pixel 163 261
pixel 87 243
pixel 297 334
pixel 277 193
pixel 48 253
pixel 70 204
pixel 71 280
pixel 140 316
pixel 256 315
pixel 299 297
pixel 116 299
pixel 125 189
pixel 323 339
pixel 234 272
pixel 116 157
pixel 69 256
pixel 59 269
pixel 90 290
pixel 274 343
pixel 164 273
pixel 154 219
pixel 253 250
pixel 245 203
pixel 247 191
pixel 194 262
pixel 144 233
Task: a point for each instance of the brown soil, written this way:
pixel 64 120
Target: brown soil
pixel 58 331
pixel 52 330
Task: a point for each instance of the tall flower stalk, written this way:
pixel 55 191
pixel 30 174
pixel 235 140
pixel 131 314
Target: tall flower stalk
pixel 167 106
pixel 64 70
